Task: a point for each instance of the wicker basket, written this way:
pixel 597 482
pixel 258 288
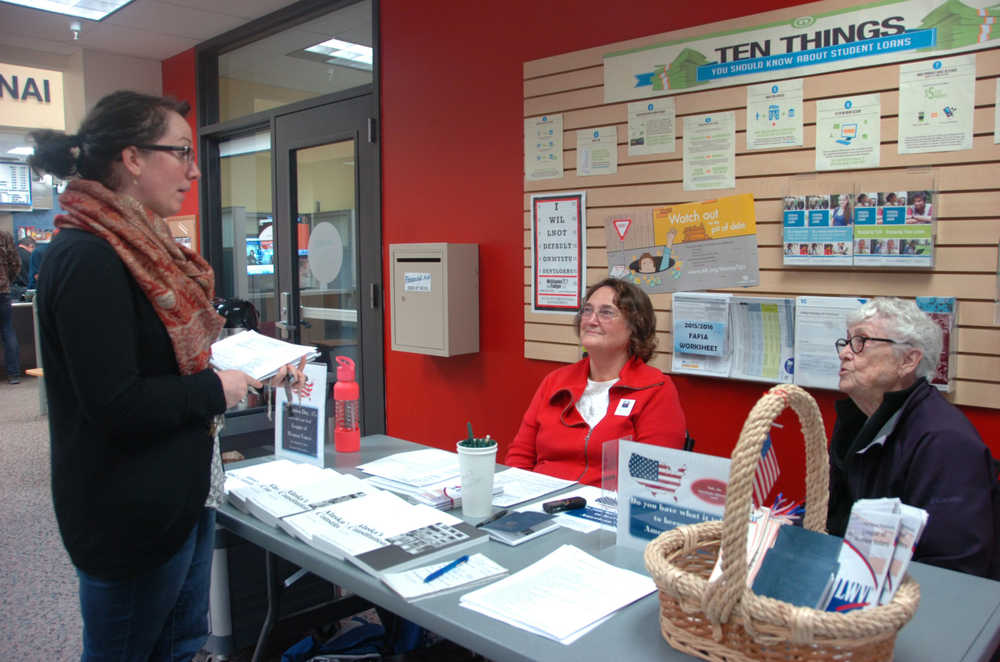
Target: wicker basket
pixel 726 622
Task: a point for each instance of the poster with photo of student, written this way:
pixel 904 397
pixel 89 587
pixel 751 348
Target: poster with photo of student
pixel 817 229
pixel 898 231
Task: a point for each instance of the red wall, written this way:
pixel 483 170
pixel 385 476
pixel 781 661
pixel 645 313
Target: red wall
pixel 179 82
pixel 452 171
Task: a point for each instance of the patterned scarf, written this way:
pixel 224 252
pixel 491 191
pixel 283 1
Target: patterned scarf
pixel 177 281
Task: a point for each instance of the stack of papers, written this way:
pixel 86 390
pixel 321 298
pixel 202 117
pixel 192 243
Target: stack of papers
pixel 431 476
pixel 257 355
pixel 411 585
pixel 562 596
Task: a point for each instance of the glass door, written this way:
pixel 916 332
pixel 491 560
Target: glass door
pixel 328 242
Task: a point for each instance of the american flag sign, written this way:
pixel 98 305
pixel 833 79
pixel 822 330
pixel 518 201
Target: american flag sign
pixel 654 475
pixel 766 474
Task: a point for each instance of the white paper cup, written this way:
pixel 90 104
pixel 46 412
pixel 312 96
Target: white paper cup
pixel 476 466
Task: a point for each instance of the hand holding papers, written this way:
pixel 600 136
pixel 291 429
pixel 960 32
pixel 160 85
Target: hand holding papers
pixel 257 355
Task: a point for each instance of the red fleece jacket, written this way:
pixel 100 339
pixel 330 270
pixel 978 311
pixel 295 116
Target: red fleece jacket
pixel 554 439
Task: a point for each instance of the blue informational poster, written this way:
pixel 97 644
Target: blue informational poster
pixel 818 229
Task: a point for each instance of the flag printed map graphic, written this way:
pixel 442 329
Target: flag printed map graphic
pixel 654 475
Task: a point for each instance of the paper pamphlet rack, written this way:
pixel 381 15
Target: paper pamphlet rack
pixel 726 621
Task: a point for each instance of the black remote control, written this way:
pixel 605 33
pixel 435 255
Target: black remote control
pixel 559 505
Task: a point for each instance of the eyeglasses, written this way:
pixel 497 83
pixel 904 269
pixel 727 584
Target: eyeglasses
pixel 604 313
pixel 185 152
pixel 857 343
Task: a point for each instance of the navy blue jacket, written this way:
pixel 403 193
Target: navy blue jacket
pixel 932 458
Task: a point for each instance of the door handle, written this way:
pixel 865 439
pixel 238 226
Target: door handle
pixel 283 320
pixel 373 296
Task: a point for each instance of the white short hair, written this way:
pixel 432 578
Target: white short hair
pixel 905 323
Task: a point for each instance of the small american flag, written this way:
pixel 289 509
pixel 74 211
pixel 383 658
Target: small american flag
pixel 657 477
pixel 767 472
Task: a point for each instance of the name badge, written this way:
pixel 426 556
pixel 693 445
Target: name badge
pixel 624 407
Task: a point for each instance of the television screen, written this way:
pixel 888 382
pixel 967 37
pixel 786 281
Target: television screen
pixel 15 186
pixel 260 256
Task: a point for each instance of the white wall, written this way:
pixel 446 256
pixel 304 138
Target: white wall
pixel 104 73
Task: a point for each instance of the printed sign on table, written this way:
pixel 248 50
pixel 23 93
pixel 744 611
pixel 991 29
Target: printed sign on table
pixel 300 424
pixel 660 489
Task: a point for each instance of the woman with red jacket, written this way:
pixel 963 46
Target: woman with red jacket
pixel 610 394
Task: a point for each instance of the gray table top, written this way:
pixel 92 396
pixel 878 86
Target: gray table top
pixel 958 618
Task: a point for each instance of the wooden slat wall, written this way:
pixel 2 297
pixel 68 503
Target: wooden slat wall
pixel 967 200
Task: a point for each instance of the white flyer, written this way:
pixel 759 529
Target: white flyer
pixel 848 132
pixel 558 251
pixel 774 114
pixel 543 147
pixel 701 333
pixel 597 151
pixel 936 104
pixel 763 338
pixel 710 151
pixel 819 322
pixel 651 127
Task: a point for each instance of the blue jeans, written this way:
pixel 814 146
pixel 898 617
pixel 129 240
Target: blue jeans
pixel 161 615
pixel 10 348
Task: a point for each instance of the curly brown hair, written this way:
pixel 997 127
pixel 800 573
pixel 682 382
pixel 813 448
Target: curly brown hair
pixel 637 310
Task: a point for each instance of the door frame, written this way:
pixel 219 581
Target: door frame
pixel 350 118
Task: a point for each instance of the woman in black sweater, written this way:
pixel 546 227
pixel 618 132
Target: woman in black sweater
pixel 126 326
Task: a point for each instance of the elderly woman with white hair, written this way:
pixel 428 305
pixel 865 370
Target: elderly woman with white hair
pixel 896 436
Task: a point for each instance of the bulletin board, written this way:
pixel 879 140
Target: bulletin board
pixel 967 192
pixel 185 231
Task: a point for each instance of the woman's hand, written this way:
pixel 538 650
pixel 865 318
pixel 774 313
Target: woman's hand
pixel 235 384
pixel 289 375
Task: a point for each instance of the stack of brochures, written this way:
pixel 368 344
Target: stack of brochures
pixel 431 476
pixel 878 545
pixel 562 596
pixel 347 518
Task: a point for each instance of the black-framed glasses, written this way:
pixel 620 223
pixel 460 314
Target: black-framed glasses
pixel 857 343
pixel 185 152
pixel 604 313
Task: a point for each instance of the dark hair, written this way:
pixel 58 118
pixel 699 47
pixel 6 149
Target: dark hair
pixel 25 241
pixel 120 119
pixel 637 309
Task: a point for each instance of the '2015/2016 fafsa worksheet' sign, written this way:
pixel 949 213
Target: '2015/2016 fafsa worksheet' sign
pixel 558 251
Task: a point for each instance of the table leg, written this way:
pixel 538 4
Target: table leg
pixel 274 589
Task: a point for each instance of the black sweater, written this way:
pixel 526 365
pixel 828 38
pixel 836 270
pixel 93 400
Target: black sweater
pixel 131 447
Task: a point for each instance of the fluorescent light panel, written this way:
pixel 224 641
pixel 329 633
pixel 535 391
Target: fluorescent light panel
pixel 94 10
pixel 22 151
pixel 344 53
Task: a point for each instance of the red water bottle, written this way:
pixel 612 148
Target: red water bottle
pixel 346 409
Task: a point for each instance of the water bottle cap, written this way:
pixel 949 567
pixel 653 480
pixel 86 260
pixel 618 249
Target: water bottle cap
pixel 345 369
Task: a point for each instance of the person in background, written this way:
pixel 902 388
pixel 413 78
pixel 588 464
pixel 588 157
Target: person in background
pixel 25 247
pixel 35 264
pixel 896 436
pixel 126 325
pixel 610 394
pixel 10 266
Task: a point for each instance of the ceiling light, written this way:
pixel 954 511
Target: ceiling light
pixel 22 151
pixel 344 53
pixel 95 10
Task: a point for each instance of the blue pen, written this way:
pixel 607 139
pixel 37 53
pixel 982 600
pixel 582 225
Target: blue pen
pixel 451 566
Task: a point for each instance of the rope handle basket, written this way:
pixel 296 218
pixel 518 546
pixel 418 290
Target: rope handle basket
pixel 721 620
